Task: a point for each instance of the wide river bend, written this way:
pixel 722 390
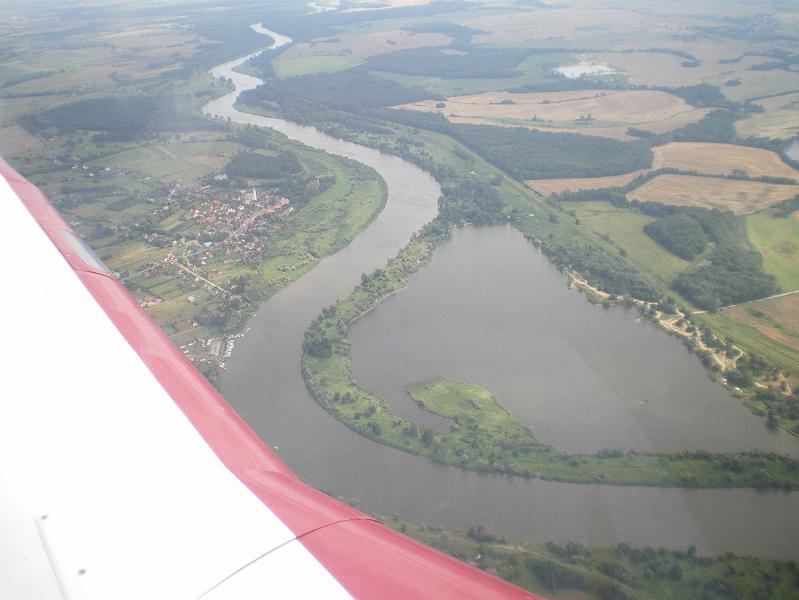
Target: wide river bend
pixel 264 384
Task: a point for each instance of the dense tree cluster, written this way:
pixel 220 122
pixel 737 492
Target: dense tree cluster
pixel 470 201
pixel 680 234
pixel 128 117
pixel 611 273
pixel 310 96
pixel 527 154
pixel 735 274
pixel 253 165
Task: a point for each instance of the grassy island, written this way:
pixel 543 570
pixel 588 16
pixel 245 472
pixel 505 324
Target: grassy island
pixel 483 435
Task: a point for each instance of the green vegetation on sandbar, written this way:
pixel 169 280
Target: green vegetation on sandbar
pixel 623 572
pixel 484 436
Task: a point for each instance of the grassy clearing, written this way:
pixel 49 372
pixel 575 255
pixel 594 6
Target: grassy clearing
pixel 728 324
pixel 777 239
pixel 757 84
pixel 323 226
pixel 309 65
pixel 740 197
pixel 778 121
pixel 626 228
pixel 179 159
pixel 536 68
pixel 777 319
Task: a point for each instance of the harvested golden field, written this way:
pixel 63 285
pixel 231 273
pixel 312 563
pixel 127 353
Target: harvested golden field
pixel 705 158
pixel 777 318
pixel 721 159
pixel 757 84
pixel 15 141
pixel 592 112
pixel 741 197
pixel 546 187
pixel 780 119
pixel 368 5
pixel 569 23
pixel 366 44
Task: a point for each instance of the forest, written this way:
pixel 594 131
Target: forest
pixel 733 271
pixel 527 154
pixel 253 165
pixel 680 234
pixel 131 117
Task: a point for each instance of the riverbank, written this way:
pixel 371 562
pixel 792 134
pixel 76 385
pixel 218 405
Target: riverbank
pixel 622 572
pixel 760 387
pixel 494 440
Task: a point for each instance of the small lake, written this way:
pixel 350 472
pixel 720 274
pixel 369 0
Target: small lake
pixel 491 309
pixel 793 150
pixel 586 68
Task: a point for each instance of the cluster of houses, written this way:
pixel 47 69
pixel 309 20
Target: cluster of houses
pixel 216 229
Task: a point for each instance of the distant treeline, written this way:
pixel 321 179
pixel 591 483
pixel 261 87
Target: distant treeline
pixel 459 33
pixel 309 97
pixel 530 154
pixel 610 273
pixel 304 27
pixel 129 117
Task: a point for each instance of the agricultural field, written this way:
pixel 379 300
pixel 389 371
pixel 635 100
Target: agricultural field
pixel 757 84
pixel 596 112
pixel 763 332
pixel 777 239
pixel 662 69
pixel 308 65
pixel 547 187
pixel 178 160
pixel 740 197
pixel 569 25
pixel 777 121
pixel 365 45
pixel 625 229
pixel 719 160
pixel 722 159
pixel 14 140
pixel 777 319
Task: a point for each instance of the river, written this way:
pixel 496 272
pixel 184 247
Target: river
pixel 263 383
pixel 492 310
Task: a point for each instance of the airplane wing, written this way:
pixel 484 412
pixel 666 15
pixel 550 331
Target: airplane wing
pixel 124 474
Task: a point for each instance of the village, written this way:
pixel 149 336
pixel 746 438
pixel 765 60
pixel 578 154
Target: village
pixel 210 239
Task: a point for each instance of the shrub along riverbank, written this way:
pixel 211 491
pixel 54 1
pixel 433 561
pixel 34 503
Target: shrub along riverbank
pixel 623 572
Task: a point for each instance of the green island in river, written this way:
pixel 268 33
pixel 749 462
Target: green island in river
pixel 483 435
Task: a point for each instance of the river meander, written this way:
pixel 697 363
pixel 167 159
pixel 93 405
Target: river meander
pixel 264 384
pixel 492 310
